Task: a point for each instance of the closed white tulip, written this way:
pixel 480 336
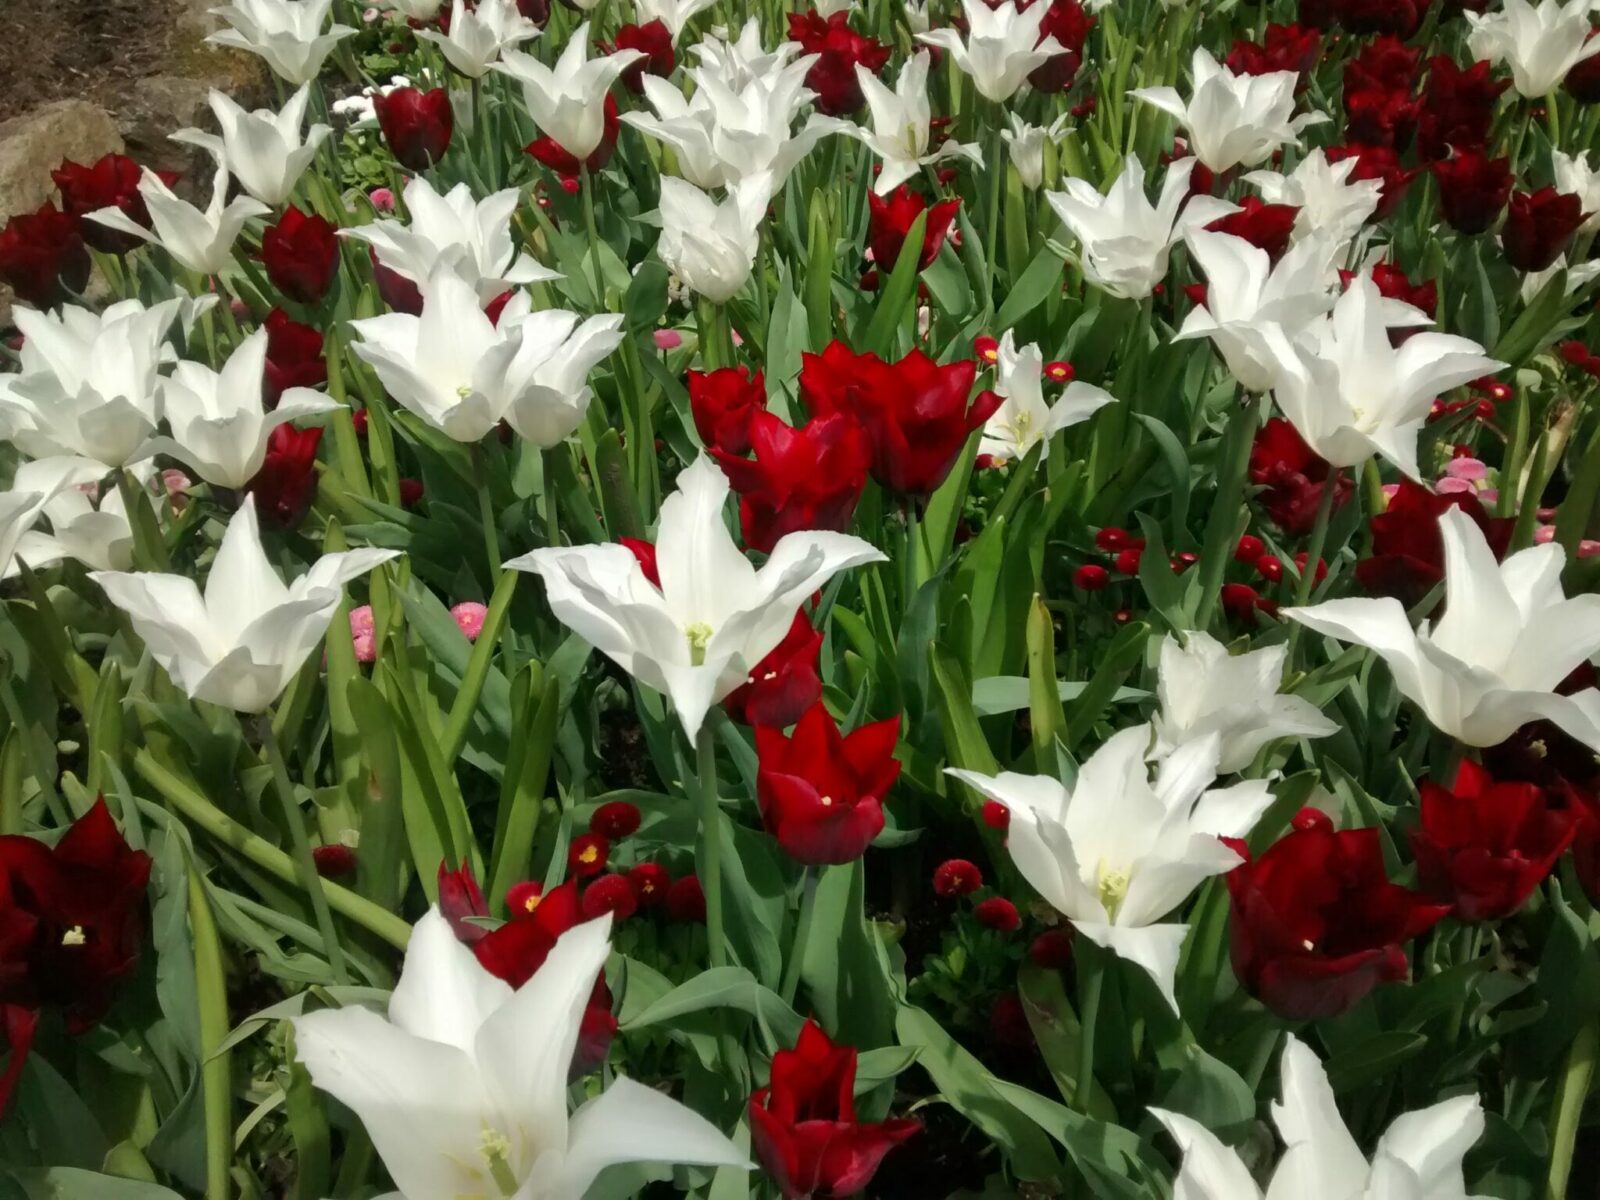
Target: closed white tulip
pixel 1117 852
pixel 219 423
pixel 479 35
pixel 240 643
pixel 1002 46
pixel 567 101
pixel 262 149
pixel 710 246
pixel 713 617
pixel 1233 120
pixel 548 377
pixel 901 120
pixel 1540 44
pixel 463 1086
pixel 1508 637
pixel 23 505
pixel 1023 419
pixel 286 34
pixel 87 523
pixel 199 239
pixel 1126 240
pixel 1025 145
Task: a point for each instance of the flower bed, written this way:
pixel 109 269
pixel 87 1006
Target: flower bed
pixel 917 601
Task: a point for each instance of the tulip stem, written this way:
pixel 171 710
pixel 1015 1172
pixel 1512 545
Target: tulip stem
pixel 552 521
pixel 1553 114
pixel 1571 1092
pixel 305 865
pixel 711 841
pixel 802 935
pixel 1091 981
pixel 1319 539
pixel 486 516
pixel 586 184
pixel 991 241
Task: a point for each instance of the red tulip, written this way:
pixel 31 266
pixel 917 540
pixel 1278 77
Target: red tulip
pixel 1472 189
pixel 784 684
pixel 821 793
pixel 1485 846
pixel 1292 476
pixel 301 255
pixel 652 39
pixel 806 478
pixel 72 918
pixel 287 481
pixel 1316 924
pixel 460 897
pixel 1285 48
pixel 803 1125
pixel 416 125
pixel 1265 226
pixel 1383 64
pixel 1393 283
pixel 839 49
pixel 399 292
pixel 914 412
pixel 1380 16
pixel 1069 25
pixel 294 357
pixel 1407 560
pixel 1457 107
pixel 18 1023
pixel 723 402
pixel 556 156
pixel 111 182
pixel 1539 225
pixel 1583 81
pixel 890 221
pixel 43 258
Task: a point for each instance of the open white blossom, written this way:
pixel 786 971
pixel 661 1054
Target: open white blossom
pixel 199 239
pixel 900 125
pixel 480 34
pixel 567 101
pixel 1331 204
pixel 1540 44
pixel 1575 177
pixel 711 246
pixel 87 521
pixel 1023 419
pixel 1001 48
pixel 262 149
pixel 286 34
pixel 674 14
pixel 1025 144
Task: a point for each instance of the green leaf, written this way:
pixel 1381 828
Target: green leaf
pixel 523 788
pixel 1028 291
pixel 1046 719
pixel 724 987
pixel 897 295
pixel 1373 1059
pixel 1124 653
pixel 71 1183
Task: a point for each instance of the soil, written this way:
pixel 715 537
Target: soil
pixel 80 49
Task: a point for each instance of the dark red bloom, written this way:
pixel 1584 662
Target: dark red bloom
pixel 399 292
pixel 1292 475
pixel 1316 924
pixel 615 820
pixel 1066 21
pixel 821 792
pixel 1265 226
pixel 686 901
pixel 806 478
pixel 1539 226
pixel 956 877
pixel 1392 282
pixel 996 815
pixel 1385 64
pixel 1091 577
pixel 1484 846
pixel 72 918
pixel 411 491
pixel 803 1125
pixel 588 855
pixel 18 1023
pixel 649 882
pixel 1052 949
pixel 43 258
pixel 287 481
pixel 1285 48
pixel 334 861
pixel 784 684
pixel 652 39
pixel 1472 189
pixel 645 554
pixel 301 255
pixel 839 48
pixel 890 222
pixel 294 357
pixel 723 402
pixel 1407 560
pixel 915 412
pixel 999 914
pixel 610 894
pixel 1583 81
pixel 1457 107
pixel 1379 107
pixel 460 898
pixel 1242 603
pixel 1400 17
pixel 1380 163
pixel 112 182
pixel 556 156
pixel 416 124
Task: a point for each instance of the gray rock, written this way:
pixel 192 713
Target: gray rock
pixel 35 143
pixel 153 108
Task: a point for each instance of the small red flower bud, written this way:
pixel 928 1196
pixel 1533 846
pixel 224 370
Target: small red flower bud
pixel 522 898
pixel 410 493
pixel 650 882
pixel 1239 601
pixel 996 815
pixel 1127 561
pixel 999 914
pixel 686 901
pixel 1052 949
pixel 588 855
pixel 1270 567
pixel 1250 549
pixel 1122 616
pixel 1060 372
pixel 1322 566
pixel 610 894
pixel 986 348
pixel 956 877
pixel 1091 577
pixel 1111 539
pixel 1182 561
pixel 615 820
pixel 334 861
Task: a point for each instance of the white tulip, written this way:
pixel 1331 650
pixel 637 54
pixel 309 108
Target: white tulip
pixel 262 149
pixel 1025 144
pixel 287 34
pixel 1508 637
pixel 89 384
pixel 900 125
pixel 1578 276
pixel 201 240
pixel 567 101
pixel 22 506
pixel 1023 419
pixel 742 60
pixel 1116 853
pixel 470 237
pixel 917 18
pixel 415 10
pixel 1233 120
pixel 463 1086
pixel 93 531
pixel 1331 204
pixel 1001 48
pixel 219 423
pixel 1417 1158
pixel 1540 45
pixel 714 616
pixel 674 14
pixel 479 35
pixel 1204 690
pixel 1350 394
pixel 1125 239
pixel 1574 176
pixel 242 642
pixel 548 378
pixel 712 247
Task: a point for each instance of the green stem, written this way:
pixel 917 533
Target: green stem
pixel 1576 1077
pixel 802 935
pixel 149 547
pixel 305 864
pixel 1319 539
pixel 586 185
pixel 477 673
pixel 552 520
pixel 710 841
pixel 1552 112
pixel 1091 981
pixel 216 1077
pixel 487 518
pixel 991 240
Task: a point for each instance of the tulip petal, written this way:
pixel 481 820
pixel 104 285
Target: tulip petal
pixel 1332 1164
pixel 1155 948
pixel 629 1122
pixel 444 993
pixel 1210 1171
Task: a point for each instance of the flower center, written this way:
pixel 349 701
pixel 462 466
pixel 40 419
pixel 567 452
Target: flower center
pixel 463 391
pixel 1112 884
pixel 74 936
pixel 495 1148
pixel 699 635
pixel 826 802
